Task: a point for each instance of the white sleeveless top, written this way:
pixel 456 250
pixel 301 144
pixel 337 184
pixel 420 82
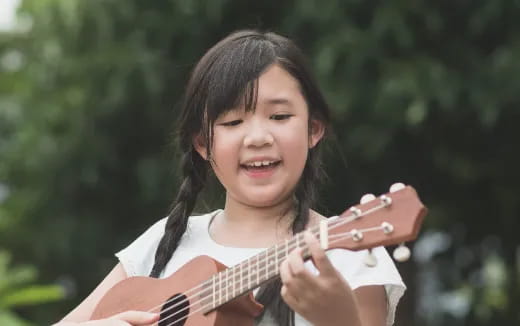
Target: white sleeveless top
pixel 138 258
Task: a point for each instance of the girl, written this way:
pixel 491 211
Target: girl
pixel 255 117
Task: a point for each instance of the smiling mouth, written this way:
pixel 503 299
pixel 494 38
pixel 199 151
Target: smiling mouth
pixel 260 166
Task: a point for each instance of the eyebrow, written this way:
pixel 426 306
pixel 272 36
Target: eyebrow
pixel 278 100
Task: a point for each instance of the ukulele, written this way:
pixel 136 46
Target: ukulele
pixel 205 292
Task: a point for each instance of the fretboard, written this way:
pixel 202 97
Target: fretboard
pixel 249 274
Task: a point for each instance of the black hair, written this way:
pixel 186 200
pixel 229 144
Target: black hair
pixel 225 77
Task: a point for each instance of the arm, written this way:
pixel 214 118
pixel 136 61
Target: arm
pixel 84 310
pixel 372 304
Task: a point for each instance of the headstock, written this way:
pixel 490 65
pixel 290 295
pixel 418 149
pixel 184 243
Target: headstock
pixel 389 219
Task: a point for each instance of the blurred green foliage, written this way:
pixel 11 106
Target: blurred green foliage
pixel 426 92
pixel 17 289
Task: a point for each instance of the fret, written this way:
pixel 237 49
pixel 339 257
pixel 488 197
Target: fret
pixel 220 289
pixel 226 285
pixel 233 290
pixel 257 270
pixel 223 287
pixel 226 278
pixel 238 278
pixel 276 258
pixel 213 297
pixel 249 271
pixel 267 264
pixel 241 279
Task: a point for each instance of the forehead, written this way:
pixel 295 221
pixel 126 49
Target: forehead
pixel 277 86
pixel 273 88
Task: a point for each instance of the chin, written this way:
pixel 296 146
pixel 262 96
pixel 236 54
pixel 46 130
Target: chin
pixel 263 200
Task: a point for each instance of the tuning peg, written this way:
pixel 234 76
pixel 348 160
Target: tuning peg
pixel 356 212
pixel 396 187
pixel 402 253
pixel 370 260
pixel 366 198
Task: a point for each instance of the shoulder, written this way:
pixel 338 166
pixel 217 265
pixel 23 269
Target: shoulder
pixel 138 257
pixel 158 229
pixel 201 220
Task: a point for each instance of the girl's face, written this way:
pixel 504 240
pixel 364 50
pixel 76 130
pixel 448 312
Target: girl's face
pixel 259 156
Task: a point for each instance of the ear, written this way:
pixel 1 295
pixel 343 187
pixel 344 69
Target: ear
pixel 200 146
pixel 316 132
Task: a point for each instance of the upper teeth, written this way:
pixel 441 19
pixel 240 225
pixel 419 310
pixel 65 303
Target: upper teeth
pixel 259 163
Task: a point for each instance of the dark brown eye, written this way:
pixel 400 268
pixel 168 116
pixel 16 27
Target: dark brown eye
pixel 281 116
pixel 231 123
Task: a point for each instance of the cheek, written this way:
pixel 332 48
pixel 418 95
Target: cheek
pixel 224 153
pixel 298 136
pixel 296 148
pixel 221 164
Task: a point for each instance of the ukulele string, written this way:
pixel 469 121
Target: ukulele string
pixel 227 278
pixel 332 224
pixel 335 223
pixel 202 308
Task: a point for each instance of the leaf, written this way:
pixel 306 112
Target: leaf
pixel 35 294
pixel 9 319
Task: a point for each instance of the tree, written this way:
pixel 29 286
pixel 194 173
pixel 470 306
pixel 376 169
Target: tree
pixel 424 92
pixel 17 290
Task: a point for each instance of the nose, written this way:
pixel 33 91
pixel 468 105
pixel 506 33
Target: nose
pixel 257 135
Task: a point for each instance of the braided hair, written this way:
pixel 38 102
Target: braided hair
pixel 226 76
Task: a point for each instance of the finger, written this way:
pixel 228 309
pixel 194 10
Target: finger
pixel 320 259
pixel 290 299
pixel 301 277
pixel 295 262
pixel 285 273
pixel 137 318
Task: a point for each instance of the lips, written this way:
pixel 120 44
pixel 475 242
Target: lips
pixel 260 165
pixel 259 161
pixel 260 168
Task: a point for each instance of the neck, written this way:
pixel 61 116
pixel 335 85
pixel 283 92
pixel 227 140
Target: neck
pixel 248 215
pixel 253 226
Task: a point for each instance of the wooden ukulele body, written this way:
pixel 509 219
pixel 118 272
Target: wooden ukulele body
pixel 145 293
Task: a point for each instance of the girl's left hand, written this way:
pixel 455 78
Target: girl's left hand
pixel 324 299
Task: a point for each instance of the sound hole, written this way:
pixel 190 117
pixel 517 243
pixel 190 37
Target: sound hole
pixel 175 312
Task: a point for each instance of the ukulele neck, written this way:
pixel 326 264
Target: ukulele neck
pixel 251 273
pixel 390 219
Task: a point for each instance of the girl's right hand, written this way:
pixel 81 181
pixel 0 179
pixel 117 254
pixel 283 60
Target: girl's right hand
pixel 127 318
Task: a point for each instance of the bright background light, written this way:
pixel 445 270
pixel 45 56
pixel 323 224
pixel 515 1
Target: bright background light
pixel 7 14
